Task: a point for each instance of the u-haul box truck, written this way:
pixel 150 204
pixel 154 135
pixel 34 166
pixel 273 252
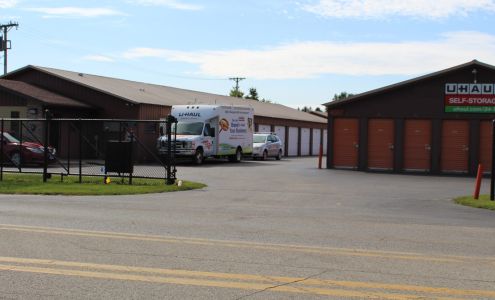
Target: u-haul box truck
pixel 211 131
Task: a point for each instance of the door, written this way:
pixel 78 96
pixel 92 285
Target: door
pixel 280 132
pixel 293 141
pixel 305 137
pixel 316 141
pixel 417 145
pixel 486 145
pixel 209 140
pixel 271 145
pixel 381 144
pixel 325 132
pixel 455 146
pixel 346 143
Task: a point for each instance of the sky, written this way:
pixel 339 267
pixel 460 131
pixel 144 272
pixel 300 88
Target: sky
pixel 295 53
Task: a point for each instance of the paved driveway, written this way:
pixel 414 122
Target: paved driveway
pixel 271 229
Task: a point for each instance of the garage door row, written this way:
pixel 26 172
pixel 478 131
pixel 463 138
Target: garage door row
pixel 450 146
pixel 298 141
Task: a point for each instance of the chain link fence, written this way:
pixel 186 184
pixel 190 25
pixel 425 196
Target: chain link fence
pixel 86 148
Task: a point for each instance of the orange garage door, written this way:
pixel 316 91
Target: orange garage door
pixel 417 145
pixel 455 142
pixel 345 146
pixel 381 144
pixel 486 145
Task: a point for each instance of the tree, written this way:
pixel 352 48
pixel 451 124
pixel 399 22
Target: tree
pixel 318 109
pixel 341 96
pixel 253 94
pixel 236 93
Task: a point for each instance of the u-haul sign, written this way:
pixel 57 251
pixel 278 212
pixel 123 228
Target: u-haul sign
pixel 470 97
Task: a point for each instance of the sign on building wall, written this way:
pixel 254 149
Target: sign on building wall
pixel 470 97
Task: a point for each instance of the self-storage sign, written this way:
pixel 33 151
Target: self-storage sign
pixel 470 98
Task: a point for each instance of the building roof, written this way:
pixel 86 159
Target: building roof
pixel 358 97
pixel 145 93
pixel 320 114
pixel 47 97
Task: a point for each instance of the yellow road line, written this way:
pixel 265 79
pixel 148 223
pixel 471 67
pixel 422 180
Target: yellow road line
pixel 273 280
pixel 215 283
pixel 239 244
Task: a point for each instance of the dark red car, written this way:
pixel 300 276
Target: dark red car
pixel 31 152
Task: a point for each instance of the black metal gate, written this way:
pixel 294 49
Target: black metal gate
pixel 85 148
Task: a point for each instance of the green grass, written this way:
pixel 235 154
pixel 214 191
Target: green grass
pixel 483 202
pixel 33 185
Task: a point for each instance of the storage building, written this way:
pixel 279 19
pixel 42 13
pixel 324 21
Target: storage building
pixel 26 92
pixel 437 123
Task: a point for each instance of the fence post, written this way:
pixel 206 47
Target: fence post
pixel 170 119
pixel 80 150
pixel 1 151
pixel 492 177
pixel 20 147
pixel 68 145
pixel 45 144
pixel 131 156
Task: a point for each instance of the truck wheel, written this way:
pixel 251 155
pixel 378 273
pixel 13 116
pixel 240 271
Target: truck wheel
pixel 279 155
pixel 237 157
pixel 265 155
pixel 198 157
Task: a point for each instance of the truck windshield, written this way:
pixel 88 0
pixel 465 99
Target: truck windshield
pixel 189 128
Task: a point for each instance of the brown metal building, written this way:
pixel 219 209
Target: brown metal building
pixel 437 123
pixel 67 94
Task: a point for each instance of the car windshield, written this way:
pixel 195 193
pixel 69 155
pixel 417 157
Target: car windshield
pixel 9 138
pixel 259 138
pixel 189 128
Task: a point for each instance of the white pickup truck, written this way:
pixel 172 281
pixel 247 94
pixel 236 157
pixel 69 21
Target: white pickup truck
pixel 211 131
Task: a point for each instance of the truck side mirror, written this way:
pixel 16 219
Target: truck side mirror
pixel 211 132
pixel 161 131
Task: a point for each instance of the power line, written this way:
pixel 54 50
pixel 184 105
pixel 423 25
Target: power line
pixel 44 38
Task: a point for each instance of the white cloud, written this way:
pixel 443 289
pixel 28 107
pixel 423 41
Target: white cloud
pixel 98 58
pixel 8 3
pixel 431 9
pixel 311 59
pixel 75 12
pixel 169 3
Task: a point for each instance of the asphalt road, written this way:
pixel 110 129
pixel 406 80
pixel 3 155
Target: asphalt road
pixel 260 230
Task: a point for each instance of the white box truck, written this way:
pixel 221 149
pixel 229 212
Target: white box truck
pixel 211 131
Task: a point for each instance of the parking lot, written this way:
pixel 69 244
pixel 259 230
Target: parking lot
pixel 359 235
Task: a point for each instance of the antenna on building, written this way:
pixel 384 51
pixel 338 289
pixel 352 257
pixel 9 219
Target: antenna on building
pixel 5 43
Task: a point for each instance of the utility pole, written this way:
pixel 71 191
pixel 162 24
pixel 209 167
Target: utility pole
pixel 5 43
pixel 237 79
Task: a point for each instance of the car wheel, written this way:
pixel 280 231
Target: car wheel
pixel 16 158
pixel 279 155
pixel 198 157
pixel 265 155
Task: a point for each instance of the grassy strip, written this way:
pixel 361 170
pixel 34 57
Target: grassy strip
pixel 483 202
pixel 33 185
